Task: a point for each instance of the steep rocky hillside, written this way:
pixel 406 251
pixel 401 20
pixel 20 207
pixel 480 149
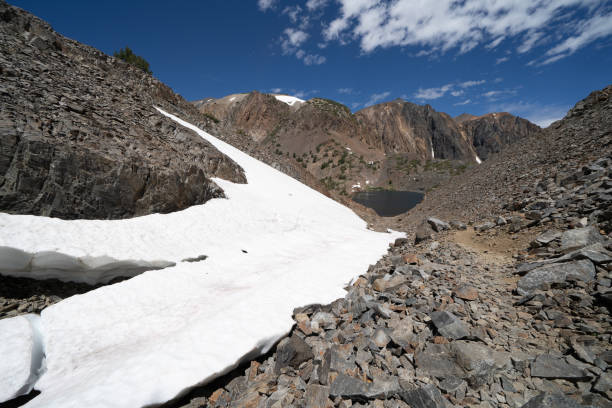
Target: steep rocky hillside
pixel 81 137
pixel 395 144
pixel 585 134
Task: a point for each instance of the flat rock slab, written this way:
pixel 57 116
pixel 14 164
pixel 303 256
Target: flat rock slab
pixel 544 276
pixel 552 401
pixel 580 237
pixel 437 224
pixel 449 325
pixel 424 397
pixel 466 292
pixel 548 366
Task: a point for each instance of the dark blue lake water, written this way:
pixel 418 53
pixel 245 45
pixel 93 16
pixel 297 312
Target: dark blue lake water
pixel 388 203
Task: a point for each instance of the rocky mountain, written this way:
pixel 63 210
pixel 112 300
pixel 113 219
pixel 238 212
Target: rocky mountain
pixel 492 132
pixel 81 137
pixel 394 144
pixel 582 136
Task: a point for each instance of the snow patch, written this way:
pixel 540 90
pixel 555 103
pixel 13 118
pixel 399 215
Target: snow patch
pixel 145 340
pixel 433 156
pixel 478 160
pixel 22 355
pixel 57 265
pixel 289 100
pixel 232 98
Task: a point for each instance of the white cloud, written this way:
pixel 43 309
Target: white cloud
pixel 541 115
pixel 468 84
pixel 291 41
pixel 266 4
pixel 276 90
pixel 498 94
pixel 315 4
pixel 457 93
pixel 599 26
pixel 346 91
pixel 462 25
pixel 500 60
pixel 294 38
pixel 466 102
pixel 292 12
pixel 314 59
pixel 377 98
pixel 432 93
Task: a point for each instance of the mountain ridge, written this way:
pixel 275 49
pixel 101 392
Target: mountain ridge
pixel 394 141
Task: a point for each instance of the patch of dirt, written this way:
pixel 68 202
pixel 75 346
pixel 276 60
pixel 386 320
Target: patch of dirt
pixel 498 246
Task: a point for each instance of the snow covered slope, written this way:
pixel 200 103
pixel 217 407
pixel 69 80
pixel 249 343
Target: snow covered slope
pixel 273 245
pixel 21 355
pixel 289 100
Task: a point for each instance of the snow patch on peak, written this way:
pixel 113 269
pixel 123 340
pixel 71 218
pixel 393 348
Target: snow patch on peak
pixel 289 100
pixel 478 160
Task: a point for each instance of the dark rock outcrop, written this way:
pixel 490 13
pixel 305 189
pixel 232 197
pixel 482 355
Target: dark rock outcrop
pixel 490 133
pixel 80 136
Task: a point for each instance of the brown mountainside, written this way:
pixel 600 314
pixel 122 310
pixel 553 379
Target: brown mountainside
pixel 395 144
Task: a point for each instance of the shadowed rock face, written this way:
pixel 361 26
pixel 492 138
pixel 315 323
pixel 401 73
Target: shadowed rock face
pixel 80 137
pixel 490 133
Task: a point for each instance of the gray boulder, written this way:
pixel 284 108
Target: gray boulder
pixel 424 397
pixel 547 275
pixel 292 351
pixel 449 325
pixel 580 237
pixel 549 366
pixel 546 400
pixel 437 224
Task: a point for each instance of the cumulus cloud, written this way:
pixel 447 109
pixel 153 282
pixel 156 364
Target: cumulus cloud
pixel 291 42
pixel 293 38
pixel 346 91
pixel 314 59
pixel 266 4
pixel 463 25
pixel 315 4
pixel 457 93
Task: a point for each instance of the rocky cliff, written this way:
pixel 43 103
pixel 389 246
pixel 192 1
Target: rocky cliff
pixel 80 137
pixel 395 144
pixel 490 133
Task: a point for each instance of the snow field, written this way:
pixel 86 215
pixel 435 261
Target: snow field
pixel 289 100
pixel 21 352
pixel 145 340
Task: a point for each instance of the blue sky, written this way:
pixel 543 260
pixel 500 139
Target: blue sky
pixel 533 58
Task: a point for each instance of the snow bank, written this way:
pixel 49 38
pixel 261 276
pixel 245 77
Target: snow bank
pixel 21 355
pixel 143 341
pixel 289 100
pixel 87 269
